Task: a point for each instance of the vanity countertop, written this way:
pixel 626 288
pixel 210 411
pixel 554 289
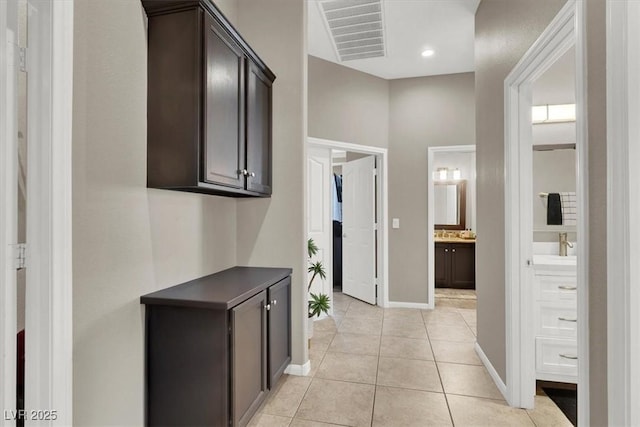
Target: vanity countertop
pixel 452 240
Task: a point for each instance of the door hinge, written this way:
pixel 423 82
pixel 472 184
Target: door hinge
pixel 375 172
pixel 22 59
pixel 376 290
pixel 375 226
pixel 20 255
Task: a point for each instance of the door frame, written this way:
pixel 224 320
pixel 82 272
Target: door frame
pixel 623 204
pixel 382 208
pixel 327 261
pixel 8 207
pixel 431 151
pixel 566 30
pixel 49 371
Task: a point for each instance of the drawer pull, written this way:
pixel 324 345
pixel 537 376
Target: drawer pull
pixel 267 307
pixel 567 288
pixel 568 356
pixel 566 319
pixel 274 302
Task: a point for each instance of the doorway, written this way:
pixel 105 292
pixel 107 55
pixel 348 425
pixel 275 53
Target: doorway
pixel 35 210
pixel 451 219
pixel 542 329
pixel 347 211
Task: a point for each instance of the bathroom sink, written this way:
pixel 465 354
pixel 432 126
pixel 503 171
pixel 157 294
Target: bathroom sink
pixel 554 260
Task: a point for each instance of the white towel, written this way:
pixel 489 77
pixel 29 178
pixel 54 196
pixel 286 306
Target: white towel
pixel 569 204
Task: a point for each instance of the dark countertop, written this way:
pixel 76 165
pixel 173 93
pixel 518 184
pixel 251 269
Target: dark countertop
pixel 224 289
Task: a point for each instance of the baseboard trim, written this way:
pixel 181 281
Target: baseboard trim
pixel 420 305
pixel 492 371
pixel 299 370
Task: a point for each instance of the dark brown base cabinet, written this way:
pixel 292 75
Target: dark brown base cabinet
pixel 455 265
pixel 215 346
pixel 209 103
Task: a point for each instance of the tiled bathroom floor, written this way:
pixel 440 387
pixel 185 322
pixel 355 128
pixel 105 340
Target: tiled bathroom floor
pixel 396 367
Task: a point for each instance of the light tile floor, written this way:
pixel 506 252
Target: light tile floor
pixel 397 367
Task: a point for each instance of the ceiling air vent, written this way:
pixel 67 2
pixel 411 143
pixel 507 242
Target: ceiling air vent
pixel 356 27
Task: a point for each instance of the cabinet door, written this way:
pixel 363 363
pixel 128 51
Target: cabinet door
pixel 248 357
pixel 463 266
pixel 442 266
pixel 223 144
pixel 258 130
pixel 279 296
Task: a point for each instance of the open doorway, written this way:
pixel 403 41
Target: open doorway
pixel 451 212
pixel 347 210
pixel 546 206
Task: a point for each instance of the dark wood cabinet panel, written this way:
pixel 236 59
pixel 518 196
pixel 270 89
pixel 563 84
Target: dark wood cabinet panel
pixel 248 357
pixel 442 265
pixel 224 108
pixel 455 265
pixel 186 366
pixel 258 130
pixel 279 329
pixel 216 345
pixel 463 266
pixel 209 103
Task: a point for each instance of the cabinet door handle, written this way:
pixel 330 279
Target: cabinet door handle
pixel 243 172
pixel 453 250
pixel 568 356
pixel 566 319
pixel 446 250
pixel 274 302
pixel 567 288
pixel 267 307
pixel 252 174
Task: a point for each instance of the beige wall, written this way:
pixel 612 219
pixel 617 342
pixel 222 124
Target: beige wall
pixel 271 231
pixel 424 111
pixel 347 105
pixel 505 29
pixel 597 116
pixel 129 240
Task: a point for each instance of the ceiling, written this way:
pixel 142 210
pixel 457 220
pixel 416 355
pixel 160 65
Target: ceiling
pixel 410 27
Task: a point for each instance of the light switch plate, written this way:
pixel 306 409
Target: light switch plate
pixel 395 223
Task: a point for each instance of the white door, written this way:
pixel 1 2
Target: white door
pixel 319 222
pixel 358 229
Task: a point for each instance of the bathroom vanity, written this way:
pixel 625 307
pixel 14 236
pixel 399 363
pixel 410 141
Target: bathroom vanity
pixel 555 318
pixel 455 263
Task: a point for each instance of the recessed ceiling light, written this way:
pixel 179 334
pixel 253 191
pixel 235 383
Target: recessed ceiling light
pixel 428 52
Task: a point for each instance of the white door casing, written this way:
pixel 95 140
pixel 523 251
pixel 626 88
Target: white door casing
pixel 358 229
pixel 8 205
pixel 623 205
pixel 48 368
pixel 319 209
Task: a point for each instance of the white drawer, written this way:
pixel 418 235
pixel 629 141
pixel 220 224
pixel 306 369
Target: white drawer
pixel 556 319
pixel 556 288
pixel 556 359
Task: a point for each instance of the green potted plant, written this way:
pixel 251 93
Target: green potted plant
pixel 318 303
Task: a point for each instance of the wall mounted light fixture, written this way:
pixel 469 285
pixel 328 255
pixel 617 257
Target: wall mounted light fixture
pixel 443 174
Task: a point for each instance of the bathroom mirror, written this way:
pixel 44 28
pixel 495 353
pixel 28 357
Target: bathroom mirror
pixel 449 205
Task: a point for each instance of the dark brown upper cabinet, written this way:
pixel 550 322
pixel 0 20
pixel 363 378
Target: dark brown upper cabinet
pixel 209 103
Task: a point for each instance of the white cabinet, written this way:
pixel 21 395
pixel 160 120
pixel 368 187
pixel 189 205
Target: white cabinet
pixel 556 324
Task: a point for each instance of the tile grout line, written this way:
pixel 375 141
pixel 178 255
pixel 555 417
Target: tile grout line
pixel 446 399
pixel 375 386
